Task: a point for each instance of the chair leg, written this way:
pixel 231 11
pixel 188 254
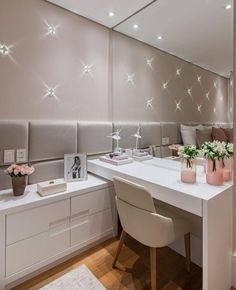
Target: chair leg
pixel 121 242
pixel 187 240
pixel 153 258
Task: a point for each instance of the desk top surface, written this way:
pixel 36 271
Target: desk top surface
pixel 165 173
pixel 10 203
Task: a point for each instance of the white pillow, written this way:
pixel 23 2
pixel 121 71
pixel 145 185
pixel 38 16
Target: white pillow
pixel 188 134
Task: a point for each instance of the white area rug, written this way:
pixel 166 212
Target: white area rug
pixel 78 279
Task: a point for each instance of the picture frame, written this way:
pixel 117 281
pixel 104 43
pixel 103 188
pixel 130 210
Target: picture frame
pixel 75 167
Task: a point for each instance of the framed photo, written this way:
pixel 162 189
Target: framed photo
pixel 75 167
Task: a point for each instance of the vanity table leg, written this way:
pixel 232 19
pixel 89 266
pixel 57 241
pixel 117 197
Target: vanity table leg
pixel 217 241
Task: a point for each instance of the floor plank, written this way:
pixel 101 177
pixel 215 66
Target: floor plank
pixel 132 272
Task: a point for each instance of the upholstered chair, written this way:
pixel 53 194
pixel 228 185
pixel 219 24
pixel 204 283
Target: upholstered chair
pixel 150 226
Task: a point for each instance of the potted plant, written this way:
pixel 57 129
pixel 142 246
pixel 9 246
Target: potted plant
pixel 214 152
pixel 18 175
pixel 228 162
pixel 188 154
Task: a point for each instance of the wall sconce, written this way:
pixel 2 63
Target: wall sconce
pixel 149 104
pixel 51 92
pixel 165 85
pixel 178 71
pixel 189 91
pixel 4 49
pixel 130 79
pixel 208 96
pixel 214 110
pixel 199 108
pixel 178 105
pixel 52 30
pixel 215 84
pixel 199 78
pixel 87 69
pixel 149 62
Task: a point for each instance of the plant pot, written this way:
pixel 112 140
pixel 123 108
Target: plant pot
pixel 214 172
pixel 188 170
pixel 18 185
pixel 228 169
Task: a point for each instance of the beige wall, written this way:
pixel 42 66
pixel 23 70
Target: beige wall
pixel 38 60
pixel 130 99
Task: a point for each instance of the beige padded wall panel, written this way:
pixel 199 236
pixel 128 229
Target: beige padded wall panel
pixel 5 180
pixel 13 135
pixel 127 130
pixel 92 137
pixel 170 130
pixel 151 134
pixel 51 140
pixel 47 171
pixel 165 152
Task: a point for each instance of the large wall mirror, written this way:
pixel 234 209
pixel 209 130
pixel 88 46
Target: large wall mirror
pixel 173 60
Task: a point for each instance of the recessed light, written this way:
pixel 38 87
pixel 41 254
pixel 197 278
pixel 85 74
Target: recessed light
pixel 159 37
pixel 111 14
pixel 228 6
pixel 135 26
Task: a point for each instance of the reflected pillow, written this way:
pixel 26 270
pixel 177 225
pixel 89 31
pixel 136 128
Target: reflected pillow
pixel 188 134
pixel 229 133
pixel 203 136
pixel 218 134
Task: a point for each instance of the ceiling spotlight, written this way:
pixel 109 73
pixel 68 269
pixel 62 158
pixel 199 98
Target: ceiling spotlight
pixel 135 26
pixel 228 6
pixel 111 14
pixel 159 37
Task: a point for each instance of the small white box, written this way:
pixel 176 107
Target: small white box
pixel 52 186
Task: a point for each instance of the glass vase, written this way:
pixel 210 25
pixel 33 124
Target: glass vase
pixel 214 172
pixel 228 169
pixel 188 170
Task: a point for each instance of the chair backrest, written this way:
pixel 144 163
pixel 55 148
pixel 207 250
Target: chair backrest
pixel 138 215
pixel 134 194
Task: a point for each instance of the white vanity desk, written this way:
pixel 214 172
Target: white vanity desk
pixel 212 203
pixel 38 231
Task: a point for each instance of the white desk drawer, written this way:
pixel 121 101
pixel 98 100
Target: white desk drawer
pixel 85 228
pixel 33 250
pixel 92 202
pixel 25 224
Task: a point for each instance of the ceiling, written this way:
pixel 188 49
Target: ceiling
pixel 97 10
pixel 198 31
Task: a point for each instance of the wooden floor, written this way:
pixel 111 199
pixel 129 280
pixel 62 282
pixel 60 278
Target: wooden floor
pixel 132 268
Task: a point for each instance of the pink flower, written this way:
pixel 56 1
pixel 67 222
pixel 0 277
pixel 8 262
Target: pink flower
pixel 19 170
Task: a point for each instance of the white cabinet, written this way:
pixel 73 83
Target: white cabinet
pixel 91 216
pixel 40 235
pixel 36 234
pixel 25 224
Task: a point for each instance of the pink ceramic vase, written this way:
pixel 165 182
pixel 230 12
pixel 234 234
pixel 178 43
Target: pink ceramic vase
pixel 214 172
pixel 188 170
pixel 228 169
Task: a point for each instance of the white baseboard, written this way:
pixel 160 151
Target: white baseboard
pixel 234 270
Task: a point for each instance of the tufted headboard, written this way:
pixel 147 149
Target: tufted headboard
pixel 46 142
